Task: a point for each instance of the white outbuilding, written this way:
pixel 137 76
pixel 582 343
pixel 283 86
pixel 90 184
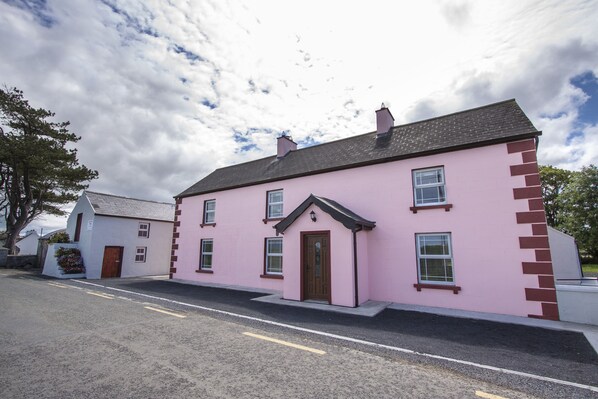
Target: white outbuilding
pixel 120 236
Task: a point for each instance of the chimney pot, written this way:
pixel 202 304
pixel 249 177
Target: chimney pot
pixel 384 121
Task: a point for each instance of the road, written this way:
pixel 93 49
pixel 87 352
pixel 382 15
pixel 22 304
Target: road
pixel 67 339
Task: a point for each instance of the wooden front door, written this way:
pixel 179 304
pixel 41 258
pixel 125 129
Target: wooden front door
pixel 316 266
pixel 111 265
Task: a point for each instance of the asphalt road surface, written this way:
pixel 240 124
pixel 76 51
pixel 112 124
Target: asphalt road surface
pixel 158 339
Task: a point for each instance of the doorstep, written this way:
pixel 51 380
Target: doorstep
pixel 368 309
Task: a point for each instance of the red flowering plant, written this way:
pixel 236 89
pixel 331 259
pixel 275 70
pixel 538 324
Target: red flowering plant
pixel 70 260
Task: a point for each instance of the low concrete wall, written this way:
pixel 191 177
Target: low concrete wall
pixel 578 303
pixel 51 266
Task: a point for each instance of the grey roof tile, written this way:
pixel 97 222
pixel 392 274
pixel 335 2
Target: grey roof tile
pixel 494 123
pixel 113 205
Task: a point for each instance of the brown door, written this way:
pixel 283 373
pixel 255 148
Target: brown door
pixel 316 264
pixel 112 261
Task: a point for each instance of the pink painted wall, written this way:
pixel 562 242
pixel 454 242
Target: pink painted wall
pixel 487 258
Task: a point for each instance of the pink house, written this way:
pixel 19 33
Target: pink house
pixel 445 212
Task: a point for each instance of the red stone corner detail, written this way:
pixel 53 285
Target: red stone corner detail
pixel 175 236
pixel 544 292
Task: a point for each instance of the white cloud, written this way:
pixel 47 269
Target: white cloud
pixel 157 90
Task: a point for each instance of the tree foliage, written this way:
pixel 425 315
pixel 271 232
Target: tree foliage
pixel 38 173
pixel 554 181
pixel 579 204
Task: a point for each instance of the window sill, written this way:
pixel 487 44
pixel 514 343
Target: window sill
pixel 453 288
pixel 204 271
pixel 207 224
pixel 272 276
pixel 446 207
pixel 272 220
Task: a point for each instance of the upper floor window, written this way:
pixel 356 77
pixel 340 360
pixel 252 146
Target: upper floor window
pixel 209 212
pixel 140 254
pixel 428 186
pixel 435 259
pixel 205 256
pixel 144 229
pixel 273 255
pixel 275 200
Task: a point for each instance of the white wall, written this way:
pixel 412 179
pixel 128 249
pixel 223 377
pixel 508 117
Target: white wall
pixel 28 245
pixel 83 206
pixel 565 259
pixel 122 232
pixel 578 304
pixel 51 267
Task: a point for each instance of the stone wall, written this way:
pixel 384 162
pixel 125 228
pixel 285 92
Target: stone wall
pixel 3 256
pixel 20 262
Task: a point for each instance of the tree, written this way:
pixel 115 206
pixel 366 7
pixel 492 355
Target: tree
pixel 554 181
pixel 579 202
pixel 38 173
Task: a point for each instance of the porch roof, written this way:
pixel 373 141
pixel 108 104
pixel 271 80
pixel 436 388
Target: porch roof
pixel 348 218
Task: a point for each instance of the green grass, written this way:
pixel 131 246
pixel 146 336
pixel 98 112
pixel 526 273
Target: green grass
pixel 590 268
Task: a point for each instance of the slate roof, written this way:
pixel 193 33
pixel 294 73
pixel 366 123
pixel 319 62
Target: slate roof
pixel 495 123
pixel 347 217
pixel 113 205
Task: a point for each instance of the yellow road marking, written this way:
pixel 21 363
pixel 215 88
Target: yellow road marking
pixel 165 312
pixel 305 348
pixel 488 395
pixel 100 295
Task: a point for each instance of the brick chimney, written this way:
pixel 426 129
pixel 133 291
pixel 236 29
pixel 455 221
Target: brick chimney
pixel 384 121
pixel 285 144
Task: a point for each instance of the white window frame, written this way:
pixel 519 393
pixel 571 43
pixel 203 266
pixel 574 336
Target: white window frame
pixel 271 203
pixel 140 256
pixel 209 215
pixel 143 230
pixel 449 257
pixel 273 254
pixel 203 253
pixel 419 201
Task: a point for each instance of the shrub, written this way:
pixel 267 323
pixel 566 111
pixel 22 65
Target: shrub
pixel 70 260
pixel 62 238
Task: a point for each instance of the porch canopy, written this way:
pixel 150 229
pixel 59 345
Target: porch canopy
pixel 348 218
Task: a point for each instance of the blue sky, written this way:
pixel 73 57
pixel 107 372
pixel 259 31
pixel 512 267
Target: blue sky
pixel 163 93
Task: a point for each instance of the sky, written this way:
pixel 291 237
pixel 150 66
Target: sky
pixel 162 93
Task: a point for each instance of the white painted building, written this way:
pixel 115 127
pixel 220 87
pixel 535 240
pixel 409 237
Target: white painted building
pixel 122 237
pixel 565 257
pixel 28 244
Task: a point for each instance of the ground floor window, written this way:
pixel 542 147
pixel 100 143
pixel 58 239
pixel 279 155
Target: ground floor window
pixel 435 259
pixel 140 254
pixel 273 255
pixel 207 250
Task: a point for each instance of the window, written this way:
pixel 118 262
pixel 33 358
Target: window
pixel 274 204
pixel 273 255
pixel 428 186
pixel 140 253
pixel 144 229
pixel 205 257
pixel 435 260
pixel 209 212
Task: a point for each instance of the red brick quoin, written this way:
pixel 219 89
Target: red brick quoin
pixel 545 292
